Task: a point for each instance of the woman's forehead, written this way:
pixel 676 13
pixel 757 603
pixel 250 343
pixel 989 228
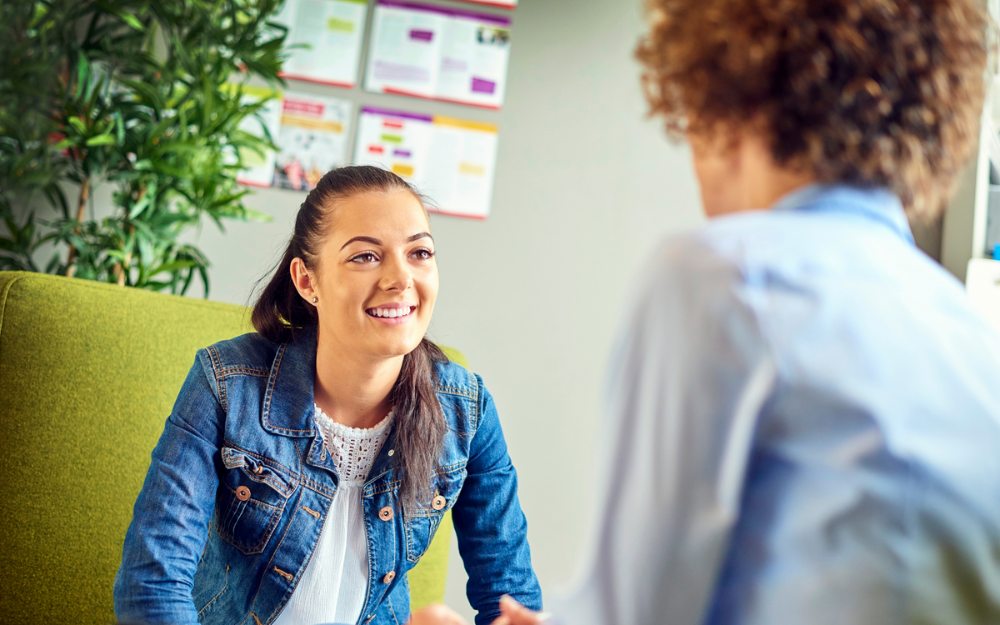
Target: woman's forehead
pixel 396 215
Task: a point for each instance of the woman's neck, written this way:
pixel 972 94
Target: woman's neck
pixel 353 391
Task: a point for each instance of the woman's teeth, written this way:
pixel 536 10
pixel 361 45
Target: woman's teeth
pixel 391 312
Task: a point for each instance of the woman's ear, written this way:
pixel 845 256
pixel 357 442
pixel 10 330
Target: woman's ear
pixel 303 280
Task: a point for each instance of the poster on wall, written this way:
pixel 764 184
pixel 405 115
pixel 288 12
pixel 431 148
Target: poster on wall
pixel 452 161
pixel 312 139
pixel 330 34
pixel 438 53
pixel 259 169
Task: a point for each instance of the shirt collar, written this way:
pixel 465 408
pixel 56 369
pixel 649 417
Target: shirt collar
pixel 874 204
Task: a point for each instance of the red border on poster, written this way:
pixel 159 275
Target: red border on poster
pixel 499 5
pixel 247 183
pixel 316 81
pixel 438 211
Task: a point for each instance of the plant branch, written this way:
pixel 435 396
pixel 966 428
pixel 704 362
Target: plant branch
pixel 80 208
pixel 121 269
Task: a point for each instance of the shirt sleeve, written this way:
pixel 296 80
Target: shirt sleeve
pixel 688 379
pixel 170 520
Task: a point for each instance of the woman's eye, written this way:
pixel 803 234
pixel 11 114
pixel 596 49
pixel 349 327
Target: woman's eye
pixel 366 257
pixel 422 254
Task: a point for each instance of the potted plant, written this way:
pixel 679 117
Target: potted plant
pixel 145 95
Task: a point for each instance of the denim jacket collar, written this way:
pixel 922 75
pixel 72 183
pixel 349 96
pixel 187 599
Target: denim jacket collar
pixel 288 401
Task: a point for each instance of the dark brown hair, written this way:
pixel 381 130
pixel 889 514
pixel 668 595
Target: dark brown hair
pixel 878 93
pixel 280 311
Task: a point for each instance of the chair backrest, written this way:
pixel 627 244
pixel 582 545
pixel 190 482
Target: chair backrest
pixel 88 374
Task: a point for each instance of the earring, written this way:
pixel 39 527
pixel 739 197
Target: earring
pixel 315 299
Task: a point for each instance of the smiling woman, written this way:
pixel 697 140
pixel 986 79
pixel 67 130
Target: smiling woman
pixel 305 468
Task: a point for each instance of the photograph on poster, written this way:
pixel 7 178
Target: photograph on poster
pixel 312 139
pixel 438 53
pixel 328 35
pixel 260 168
pixel 452 161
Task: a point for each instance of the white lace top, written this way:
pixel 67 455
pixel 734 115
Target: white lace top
pixel 333 586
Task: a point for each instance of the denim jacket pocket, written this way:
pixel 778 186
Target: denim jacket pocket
pixel 422 522
pixel 251 498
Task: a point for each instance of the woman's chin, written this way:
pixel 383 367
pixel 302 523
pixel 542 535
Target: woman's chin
pixel 395 349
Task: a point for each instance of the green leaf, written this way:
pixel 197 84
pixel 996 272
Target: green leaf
pixel 101 140
pixel 54 265
pixel 139 206
pixel 130 19
pixel 82 72
pixel 176 265
pixel 203 273
pixel 179 146
pixel 78 125
pixel 251 215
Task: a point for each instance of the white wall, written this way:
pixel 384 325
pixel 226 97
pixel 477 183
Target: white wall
pixel 584 187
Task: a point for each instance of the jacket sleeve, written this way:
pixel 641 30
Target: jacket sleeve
pixel 170 520
pixel 491 529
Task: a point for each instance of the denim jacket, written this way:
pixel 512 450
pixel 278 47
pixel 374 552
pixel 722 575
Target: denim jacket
pixel 199 550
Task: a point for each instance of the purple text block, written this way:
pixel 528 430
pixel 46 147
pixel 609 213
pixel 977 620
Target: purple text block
pixel 422 35
pixel 481 85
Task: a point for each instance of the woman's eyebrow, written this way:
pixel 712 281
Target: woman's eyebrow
pixel 371 240
pixel 374 241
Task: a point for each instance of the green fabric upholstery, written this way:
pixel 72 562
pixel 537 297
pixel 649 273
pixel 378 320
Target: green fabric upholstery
pixel 88 374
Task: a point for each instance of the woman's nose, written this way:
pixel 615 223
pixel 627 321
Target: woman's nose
pixel 395 277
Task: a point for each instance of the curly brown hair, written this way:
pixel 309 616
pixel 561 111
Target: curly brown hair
pixel 883 93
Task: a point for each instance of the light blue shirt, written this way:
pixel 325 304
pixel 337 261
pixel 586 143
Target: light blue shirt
pixel 805 430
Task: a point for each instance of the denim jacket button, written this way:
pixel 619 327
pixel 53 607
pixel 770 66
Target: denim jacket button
pixel 385 513
pixel 243 493
pixel 439 503
pixel 391 575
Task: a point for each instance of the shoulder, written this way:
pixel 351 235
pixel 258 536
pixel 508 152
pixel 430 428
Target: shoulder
pixel 732 247
pixel 696 295
pixel 462 395
pixel 454 379
pixel 687 270
pixel 249 354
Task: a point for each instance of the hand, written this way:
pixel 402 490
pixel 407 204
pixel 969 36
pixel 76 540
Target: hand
pixel 436 614
pixel 513 613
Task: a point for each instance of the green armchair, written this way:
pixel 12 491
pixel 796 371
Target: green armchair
pixel 88 375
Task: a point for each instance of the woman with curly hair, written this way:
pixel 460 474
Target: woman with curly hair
pixel 805 410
